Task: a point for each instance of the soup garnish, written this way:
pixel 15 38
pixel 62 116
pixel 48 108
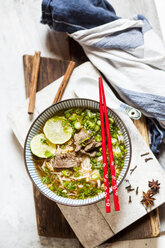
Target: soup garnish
pixel 70 153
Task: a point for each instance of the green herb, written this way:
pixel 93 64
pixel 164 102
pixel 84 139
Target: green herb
pixel 95 175
pixel 73 117
pixel 77 125
pixel 77 174
pixel 48 154
pixel 45 180
pixel 61 192
pixel 97 128
pixel 44 141
pixel 76 168
pixel 51 188
pixel 67 115
pixel 99 122
pixel 98 138
pixel 63 146
pixel 66 173
pixel 71 186
pixel 46 169
pixel 98 154
pixel 111 120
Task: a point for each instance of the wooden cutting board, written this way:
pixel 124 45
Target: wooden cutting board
pixel 50 221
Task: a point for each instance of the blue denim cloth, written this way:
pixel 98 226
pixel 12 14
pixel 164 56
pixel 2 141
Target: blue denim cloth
pixel 157 134
pixel 74 15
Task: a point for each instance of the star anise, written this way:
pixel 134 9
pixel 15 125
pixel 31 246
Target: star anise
pixel 148 200
pixel 154 186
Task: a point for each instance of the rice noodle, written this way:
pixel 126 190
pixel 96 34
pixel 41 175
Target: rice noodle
pixel 43 165
pixel 65 179
pixel 80 186
pixel 56 173
pixel 66 149
pixel 85 165
pixel 71 194
pixel 100 158
pixel 78 178
pixel 120 138
pixel 116 150
pixel 98 183
pixel 60 179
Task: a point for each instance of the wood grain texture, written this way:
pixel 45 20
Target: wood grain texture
pixel 34 80
pixel 50 70
pixel 50 221
pixel 88 223
pixel 154 215
pixel 142 128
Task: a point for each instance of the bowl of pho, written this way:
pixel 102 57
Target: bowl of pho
pixel 63 152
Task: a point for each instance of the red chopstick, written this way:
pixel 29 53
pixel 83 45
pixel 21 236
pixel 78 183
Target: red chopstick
pixel 110 151
pixel 105 167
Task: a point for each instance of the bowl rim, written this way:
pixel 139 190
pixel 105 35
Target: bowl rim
pixel 25 143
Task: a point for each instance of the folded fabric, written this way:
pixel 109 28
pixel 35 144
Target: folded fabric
pixel 71 16
pixel 128 52
pixel 157 135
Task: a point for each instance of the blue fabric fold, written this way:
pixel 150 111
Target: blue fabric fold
pixel 71 16
pixel 74 15
pixel 157 134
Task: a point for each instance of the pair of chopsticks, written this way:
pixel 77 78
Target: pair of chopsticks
pixel 34 79
pixel 104 119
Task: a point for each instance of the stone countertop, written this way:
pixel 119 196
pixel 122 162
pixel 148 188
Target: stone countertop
pixel 21 33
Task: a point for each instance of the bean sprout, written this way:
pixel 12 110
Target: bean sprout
pixel 86 164
pixel 98 183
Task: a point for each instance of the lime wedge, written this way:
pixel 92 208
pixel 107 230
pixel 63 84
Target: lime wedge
pixel 41 147
pixel 58 130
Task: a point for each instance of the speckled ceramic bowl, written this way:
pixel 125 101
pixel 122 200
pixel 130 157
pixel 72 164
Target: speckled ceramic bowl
pixel 37 127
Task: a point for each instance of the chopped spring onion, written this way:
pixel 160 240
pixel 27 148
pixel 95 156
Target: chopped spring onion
pixel 111 120
pixel 77 125
pixel 73 117
pixel 66 173
pixel 97 128
pixel 95 175
pixel 98 138
pixel 99 123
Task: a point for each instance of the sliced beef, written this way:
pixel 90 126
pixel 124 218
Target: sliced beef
pixel 90 154
pixel 67 160
pixel 79 138
pixel 92 145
